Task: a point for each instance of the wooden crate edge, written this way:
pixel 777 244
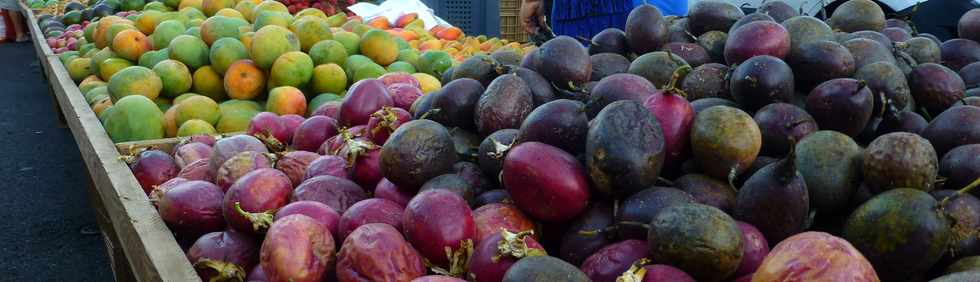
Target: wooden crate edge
pixel 39 42
pixel 150 248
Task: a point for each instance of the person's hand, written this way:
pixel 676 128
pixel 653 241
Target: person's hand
pixel 532 13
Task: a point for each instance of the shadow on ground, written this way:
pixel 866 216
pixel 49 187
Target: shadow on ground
pixel 47 228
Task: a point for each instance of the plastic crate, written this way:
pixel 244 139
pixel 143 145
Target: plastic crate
pixel 474 17
pixel 510 23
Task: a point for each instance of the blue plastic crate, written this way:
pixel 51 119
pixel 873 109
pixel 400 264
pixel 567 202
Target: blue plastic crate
pixel 474 17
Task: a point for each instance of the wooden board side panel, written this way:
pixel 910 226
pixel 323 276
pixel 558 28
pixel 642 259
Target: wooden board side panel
pixel 40 44
pixel 149 246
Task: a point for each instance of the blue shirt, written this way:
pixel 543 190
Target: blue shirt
pixel 585 18
pixel 667 7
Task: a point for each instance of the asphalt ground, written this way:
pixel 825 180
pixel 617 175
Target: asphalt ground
pixel 47 227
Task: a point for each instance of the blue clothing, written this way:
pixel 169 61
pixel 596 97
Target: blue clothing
pixel 585 18
pixel 667 7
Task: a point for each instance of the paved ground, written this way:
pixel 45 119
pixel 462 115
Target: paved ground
pixel 47 228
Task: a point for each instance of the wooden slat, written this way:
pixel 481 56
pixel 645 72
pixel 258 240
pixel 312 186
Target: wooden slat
pixel 150 249
pixel 40 44
pixel 43 51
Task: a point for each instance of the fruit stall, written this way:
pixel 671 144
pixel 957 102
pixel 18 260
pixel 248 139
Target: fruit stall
pixel 295 140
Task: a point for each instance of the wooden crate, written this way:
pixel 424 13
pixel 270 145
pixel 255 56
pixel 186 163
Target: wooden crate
pixel 140 246
pixel 43 51
pixel 510 22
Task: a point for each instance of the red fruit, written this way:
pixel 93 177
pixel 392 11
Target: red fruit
pixel 198 170
pixel 841 104
pixel 152 168
pixel 437 220
pixel 675 116
pixel 228 147
pixel 329 109
pixel 294 165
pixel 358 130
pixel 378 252
pixel 403 95
pixel 546 182
pixel 561 123
pixel 388 191
pixel 780 123
pixel 364 158
pixel 757 38
pixel 815 256
pixel 493 196
pixel 370 211
pixel 664 273
pixel 203 138
pixel 257 275
pixel 239 165
pixel 338 193
pixel 192 208
pixel 492 218
pixel 394 78
pixel 333 144
pixel 188 153
pixel 620 86
pixel 320 212
pixel 611 261
pixel 958 52
pixel 157 193
pixel 363 99
pixel 312 132
pixel 384 122
pixel 327 165
pixel 291 123
pixel 296 249
pixel 268 124
pixel 250 202
pixel 471 173
pixel 223 255
pixel 968 25
pixel 489 261
pixel 754 249
pixel 437 278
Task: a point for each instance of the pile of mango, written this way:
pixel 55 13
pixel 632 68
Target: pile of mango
pixel 218 63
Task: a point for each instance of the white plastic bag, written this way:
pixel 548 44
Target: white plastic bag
pixel 392 9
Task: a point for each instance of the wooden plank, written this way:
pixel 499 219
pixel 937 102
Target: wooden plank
pixel 117 256
pixel 42 52
pixel 150 249
pixel 40 43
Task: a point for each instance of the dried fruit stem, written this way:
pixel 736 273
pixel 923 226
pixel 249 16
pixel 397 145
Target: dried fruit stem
pixel 226 271
pixel 676 77
pixel 260 221
pixel 965 190
pixel 500 149
pixel 514 245
pixel 458 260
pixel 635 273
pixel 270 141
pixel 732 174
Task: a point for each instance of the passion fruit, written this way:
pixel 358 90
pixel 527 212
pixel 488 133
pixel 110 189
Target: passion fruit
pixel 725 141
pixel 900 160
pixel 700 240
pixel 901 233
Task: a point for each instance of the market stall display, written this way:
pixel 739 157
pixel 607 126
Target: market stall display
pixel 715 147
